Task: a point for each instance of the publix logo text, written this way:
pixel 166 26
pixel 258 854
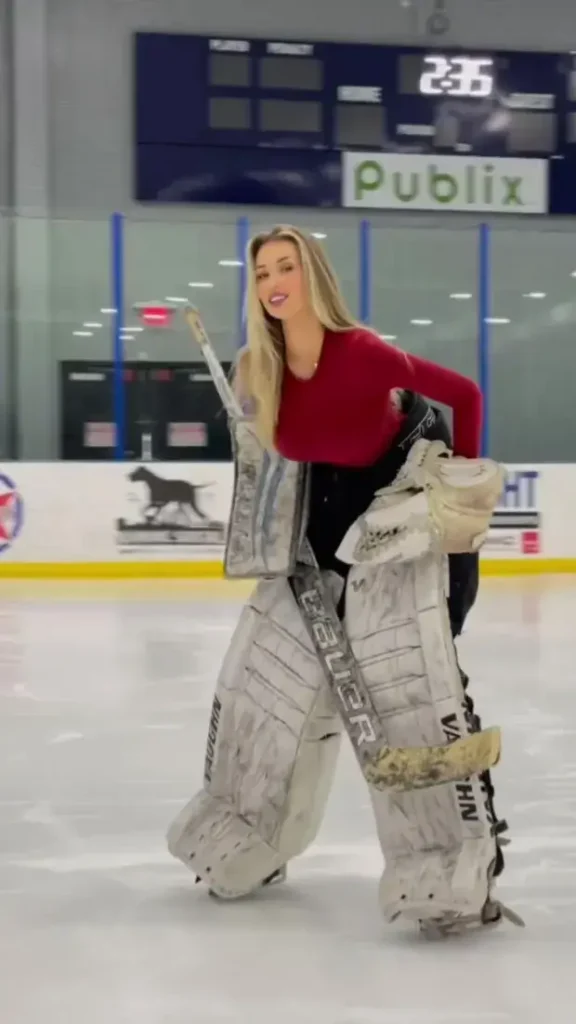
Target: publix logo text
pixel 412 181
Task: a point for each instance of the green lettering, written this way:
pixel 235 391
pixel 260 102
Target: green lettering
pixel 443 187
pixel 397 187
pixel 512 186
pixel 368 177
pixel 488 184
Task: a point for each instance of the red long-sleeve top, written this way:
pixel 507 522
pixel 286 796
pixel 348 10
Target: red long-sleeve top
pixel 345 414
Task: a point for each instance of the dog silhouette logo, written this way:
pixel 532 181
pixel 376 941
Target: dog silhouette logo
pixel 170 513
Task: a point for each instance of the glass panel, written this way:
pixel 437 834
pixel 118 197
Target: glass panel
pixel 7 376
pixel 173 411
pixel 533 356
pixel 424 292
pixel 61 283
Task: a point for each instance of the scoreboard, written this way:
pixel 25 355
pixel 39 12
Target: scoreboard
pixel 267 121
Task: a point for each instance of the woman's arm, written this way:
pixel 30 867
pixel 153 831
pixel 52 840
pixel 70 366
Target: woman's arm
pixel 459 393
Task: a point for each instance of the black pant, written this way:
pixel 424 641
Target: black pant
pixel 339 495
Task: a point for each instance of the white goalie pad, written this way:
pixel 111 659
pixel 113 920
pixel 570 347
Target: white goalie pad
pixel 272 746
pixel 436 502
pixel 437 843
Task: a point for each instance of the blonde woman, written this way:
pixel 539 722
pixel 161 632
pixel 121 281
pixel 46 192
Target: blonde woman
pixel 327 392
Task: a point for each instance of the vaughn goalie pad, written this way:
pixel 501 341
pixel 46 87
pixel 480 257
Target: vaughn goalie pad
pixel 272 746
pixel 438 843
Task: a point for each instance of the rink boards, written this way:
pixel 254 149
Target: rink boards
pixel 68 519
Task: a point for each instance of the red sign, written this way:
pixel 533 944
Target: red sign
pixel 155 316
pixel 530 542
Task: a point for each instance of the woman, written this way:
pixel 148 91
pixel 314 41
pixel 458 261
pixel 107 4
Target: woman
pixel 326 391
pixel 330 392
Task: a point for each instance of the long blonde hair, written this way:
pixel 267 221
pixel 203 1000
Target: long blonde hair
pixel 261 363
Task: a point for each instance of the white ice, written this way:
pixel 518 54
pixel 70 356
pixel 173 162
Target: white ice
pixel 104 696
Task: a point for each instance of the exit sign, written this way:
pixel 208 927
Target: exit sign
pixel 155 314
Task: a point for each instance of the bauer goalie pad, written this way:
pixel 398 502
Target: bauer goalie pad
pixel 436 502
pixel 438 844
pixel 272 747
pixel 385 766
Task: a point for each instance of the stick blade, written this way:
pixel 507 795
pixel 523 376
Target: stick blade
pixel 404 768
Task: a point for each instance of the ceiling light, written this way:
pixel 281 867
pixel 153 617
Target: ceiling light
pixel 421 323
pixel 83 334
pixel 200 284
pixel 573 274
pixel 230 263
pixel 127 337
pixel 497 320
pixel 173 298
pixel 461 295
pixel 534 295
pixel 88 324
pixel 389 337
pixel 319 234
pixel 111 311
pixel 133 330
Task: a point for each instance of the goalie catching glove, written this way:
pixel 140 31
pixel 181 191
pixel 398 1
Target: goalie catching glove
pixel 437 502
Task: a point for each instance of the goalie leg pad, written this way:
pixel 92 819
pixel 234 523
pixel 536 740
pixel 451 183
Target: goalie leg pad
pixel 271 754
pixel 439 844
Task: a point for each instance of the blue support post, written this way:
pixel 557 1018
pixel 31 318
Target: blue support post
pixel 117 283
pixel 242 239
pixel 484 307
pixel 365 272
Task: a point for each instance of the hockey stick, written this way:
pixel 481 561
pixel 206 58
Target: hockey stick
pixel 384 767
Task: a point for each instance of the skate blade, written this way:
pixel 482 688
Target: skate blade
pixel 491 917
pixel 405 768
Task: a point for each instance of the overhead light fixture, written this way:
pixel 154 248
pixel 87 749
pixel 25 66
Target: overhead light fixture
pixel 319 234
pixel 573 274
pixel 94 325
pixel 497 320
pixel 421 323
pixel 111 311
pixel 173 298
pixel 389 337
pixel 461 295
pixel 200 284
pixel 133 330
pixel 230 263
pixel 534 295
pixel 83 334
pixel 127 337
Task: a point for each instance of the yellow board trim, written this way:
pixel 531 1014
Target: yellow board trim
pixel 214 570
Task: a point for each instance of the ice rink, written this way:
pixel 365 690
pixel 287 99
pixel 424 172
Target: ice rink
pixel 104 698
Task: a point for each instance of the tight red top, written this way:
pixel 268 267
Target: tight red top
pixel 345 414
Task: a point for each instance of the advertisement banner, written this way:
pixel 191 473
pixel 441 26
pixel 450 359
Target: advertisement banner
pixel 412 181
pixel 117 519
pixel 516 530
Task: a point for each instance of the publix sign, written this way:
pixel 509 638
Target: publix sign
pixel 415 182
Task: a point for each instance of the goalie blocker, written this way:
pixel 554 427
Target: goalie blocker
pixel 274 733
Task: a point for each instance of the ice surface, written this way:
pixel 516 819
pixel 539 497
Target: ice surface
pixel 104 697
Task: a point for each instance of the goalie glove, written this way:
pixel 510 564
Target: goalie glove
pixel 437 502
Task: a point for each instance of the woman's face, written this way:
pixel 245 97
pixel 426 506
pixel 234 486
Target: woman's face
pixel 280 283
